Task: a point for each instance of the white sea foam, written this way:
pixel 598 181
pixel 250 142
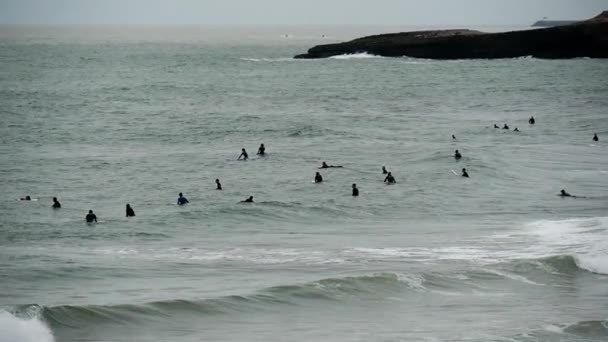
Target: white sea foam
pixel 15 329
pixel 586 239
pixel 355 56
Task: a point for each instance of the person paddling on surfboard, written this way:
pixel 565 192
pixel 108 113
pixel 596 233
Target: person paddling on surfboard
pixel 248 200
pixel 496 126
pixel 563 193
pixel 325 166
pixel 464 173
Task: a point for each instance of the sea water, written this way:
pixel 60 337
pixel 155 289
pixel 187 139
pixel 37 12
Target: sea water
pixel 101 117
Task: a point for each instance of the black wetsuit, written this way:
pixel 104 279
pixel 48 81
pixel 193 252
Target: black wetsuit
pixel 219 186
pixel 318 178
pixel 595 138
pixel 262 150
pixel 390 179
pixel 91 218
pixel 130 212
pixel 457 155
pixel 355 192
pixel 56 204
pixel 465 174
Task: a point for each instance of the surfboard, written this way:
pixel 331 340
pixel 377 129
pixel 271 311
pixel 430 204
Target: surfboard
pixel 454 172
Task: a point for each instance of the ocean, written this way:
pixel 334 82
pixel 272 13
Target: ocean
pixel 104 116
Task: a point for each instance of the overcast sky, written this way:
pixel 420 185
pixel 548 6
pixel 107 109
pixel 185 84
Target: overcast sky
pixel 294 12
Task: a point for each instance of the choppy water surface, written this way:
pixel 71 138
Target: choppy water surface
pixel 101 118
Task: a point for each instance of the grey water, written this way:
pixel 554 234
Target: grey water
pixel 101 117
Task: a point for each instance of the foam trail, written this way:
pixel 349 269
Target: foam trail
pixel 13 329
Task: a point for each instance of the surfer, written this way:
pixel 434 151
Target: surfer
pixel 129 210
pixel 318 178
pixel 505 126
pixel 90 218
pixel 26 198
pixel 384 170
pixel 595 138
pixel 464 173
pixel 56 204
pixel 325 166
pixel 261 150
pixel 248 200
pixel 516 129
pixel 457 155
pixel 218 184
pixel 181 200
pixel 453 137
pixel 563 193
pixel 243 154
pixel 355 190
pixel 390 179
pixel 531 121
pixel 496 126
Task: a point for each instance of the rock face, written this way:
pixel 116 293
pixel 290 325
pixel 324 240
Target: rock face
pixel 587 38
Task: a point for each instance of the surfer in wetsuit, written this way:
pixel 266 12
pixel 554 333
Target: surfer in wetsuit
pixel 505 126
pixel 457 155
pixel 248 200
pixel 516 129
pixel 218 184
pixel 318 178
pixel 325 166
pixel 464 173
pixel 496 126
pixel 129 210
pixel 453 137
pixel 56 204
pixel 243 154
pixel 390 179
pixel 26 198
pixel 355 190
pixel 261 150
pixel 90 218
pixel 384 170
pixel 563 193
pixel 181 200
pixel 531 121
pixel 595 138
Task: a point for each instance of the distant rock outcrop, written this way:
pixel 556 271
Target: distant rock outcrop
pixel 587 38
pixel 551 23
